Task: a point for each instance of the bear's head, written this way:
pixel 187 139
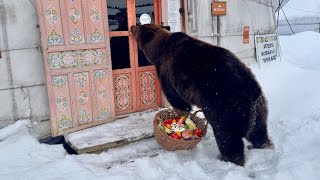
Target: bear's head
pixel 150 38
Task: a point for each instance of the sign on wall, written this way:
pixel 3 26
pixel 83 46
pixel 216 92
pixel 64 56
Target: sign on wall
pixel 266 47
pixel 219 8
pixel 246 34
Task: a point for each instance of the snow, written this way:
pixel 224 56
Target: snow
pixel 293 91
pixel 306 58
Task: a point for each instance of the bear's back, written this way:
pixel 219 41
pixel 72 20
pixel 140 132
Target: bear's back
pixel 210 67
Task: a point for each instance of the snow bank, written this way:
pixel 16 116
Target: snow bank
pixel 302 50
pixel 22 156
pixel 293 91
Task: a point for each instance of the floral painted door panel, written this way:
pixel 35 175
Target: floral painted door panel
pixel 77 59
pixel 75 41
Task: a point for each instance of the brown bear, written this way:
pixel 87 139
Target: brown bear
pixel 192 72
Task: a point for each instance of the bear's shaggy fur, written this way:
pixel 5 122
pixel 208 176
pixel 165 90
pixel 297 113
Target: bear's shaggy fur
pixel 192 72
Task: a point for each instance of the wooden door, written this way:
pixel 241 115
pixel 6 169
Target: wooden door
pixel 75 42
pixel 136 86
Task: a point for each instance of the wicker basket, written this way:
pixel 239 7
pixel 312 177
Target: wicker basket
pixel 172 144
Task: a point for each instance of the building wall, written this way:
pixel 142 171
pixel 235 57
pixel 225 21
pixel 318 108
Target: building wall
pixel 258 16
pixel 227 31
pixel 22 83
pixel 201 24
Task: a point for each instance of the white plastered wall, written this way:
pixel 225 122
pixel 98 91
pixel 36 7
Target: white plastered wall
pixel 258 16
pixel 228 30
pixel 23 92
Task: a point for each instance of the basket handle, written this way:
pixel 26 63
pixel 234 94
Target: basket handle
pixel 195 113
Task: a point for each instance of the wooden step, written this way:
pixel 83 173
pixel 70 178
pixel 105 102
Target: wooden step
pixel 122 131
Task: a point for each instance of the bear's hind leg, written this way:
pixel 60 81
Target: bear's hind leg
pixel 228 138
pixel 258 131
pixel 258 136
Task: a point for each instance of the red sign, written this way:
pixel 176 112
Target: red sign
pixel 246 35
pixel 219 8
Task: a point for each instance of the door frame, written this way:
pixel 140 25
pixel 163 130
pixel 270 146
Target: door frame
pixel 134 69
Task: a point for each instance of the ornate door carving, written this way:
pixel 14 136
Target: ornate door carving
pixel 85 87
pixel 75 42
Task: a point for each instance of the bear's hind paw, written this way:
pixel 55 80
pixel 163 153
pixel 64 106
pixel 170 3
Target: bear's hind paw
pixel 267 145
pixel 238 160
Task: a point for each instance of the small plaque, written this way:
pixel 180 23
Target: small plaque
pixel 219 8
pixel 246 35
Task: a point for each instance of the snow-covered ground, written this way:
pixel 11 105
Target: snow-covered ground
pixel 292 87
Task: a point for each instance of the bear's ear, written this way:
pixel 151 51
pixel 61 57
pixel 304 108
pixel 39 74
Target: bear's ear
pixel 147 36
pixel 134 29
pixel 167 27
